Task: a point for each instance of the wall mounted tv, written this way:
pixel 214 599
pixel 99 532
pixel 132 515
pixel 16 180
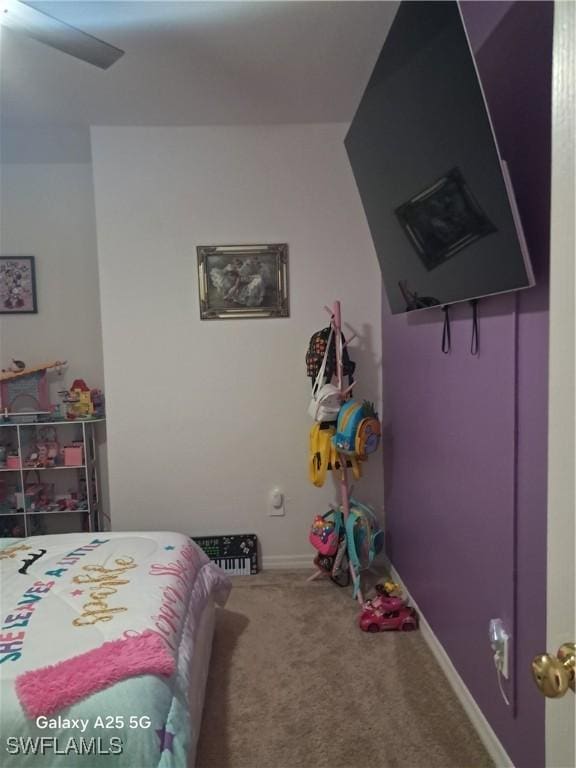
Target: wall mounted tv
pixel 424 156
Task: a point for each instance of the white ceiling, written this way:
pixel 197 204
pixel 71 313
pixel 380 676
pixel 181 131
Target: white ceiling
pixel 188 63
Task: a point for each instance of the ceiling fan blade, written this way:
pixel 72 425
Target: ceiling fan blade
pixel 57 34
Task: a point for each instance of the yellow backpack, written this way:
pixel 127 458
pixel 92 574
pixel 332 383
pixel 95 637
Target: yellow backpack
pixel 323 455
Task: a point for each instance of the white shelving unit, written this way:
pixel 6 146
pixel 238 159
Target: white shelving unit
pixel 18 512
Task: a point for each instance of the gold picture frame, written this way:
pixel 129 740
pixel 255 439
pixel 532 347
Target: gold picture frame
pixel 243 281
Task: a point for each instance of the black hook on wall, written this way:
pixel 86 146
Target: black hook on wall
pixel 475 341
pixel 446 338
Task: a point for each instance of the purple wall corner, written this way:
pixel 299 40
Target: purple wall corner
pixel 465 438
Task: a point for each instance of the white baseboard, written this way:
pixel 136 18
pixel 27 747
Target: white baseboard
pixel 477 717
pixel 272 562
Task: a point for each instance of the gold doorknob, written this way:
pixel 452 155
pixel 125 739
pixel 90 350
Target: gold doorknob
pixel 555 674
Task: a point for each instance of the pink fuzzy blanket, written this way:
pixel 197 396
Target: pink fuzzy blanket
pixel 49 689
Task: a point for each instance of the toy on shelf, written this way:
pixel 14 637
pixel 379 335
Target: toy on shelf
pixel 24 391
pixel 48 447
pixel 11 530
pixel 16 367
pixel 78 400
pixel 98 402
pixel 7 498
pixel 13 460
pixel 387 611
pixel 71 501
pixel 83 402
pixel 74 455
pixel 46 450
pixel 37 494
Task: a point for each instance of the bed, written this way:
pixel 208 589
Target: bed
pixel 105 645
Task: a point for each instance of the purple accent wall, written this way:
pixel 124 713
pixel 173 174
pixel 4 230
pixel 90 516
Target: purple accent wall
pixel 465 439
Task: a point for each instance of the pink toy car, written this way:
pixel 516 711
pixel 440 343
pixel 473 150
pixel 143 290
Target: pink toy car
pixel 388 617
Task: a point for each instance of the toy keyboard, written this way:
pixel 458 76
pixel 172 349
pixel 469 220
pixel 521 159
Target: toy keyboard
pixel 236 554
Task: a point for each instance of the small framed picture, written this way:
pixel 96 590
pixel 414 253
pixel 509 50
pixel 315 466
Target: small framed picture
pixel 243 281
pixel 17 285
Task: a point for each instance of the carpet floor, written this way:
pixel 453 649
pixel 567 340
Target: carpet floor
pixel 294 683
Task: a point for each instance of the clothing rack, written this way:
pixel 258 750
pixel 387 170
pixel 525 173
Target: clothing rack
pixel 336 324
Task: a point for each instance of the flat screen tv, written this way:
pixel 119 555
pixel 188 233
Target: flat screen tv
pixel 424 155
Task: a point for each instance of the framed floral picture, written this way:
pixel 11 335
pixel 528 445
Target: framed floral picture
pixel 243 281
pixel 17 285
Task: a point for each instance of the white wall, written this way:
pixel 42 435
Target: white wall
pixel 205 417
pixel 47 211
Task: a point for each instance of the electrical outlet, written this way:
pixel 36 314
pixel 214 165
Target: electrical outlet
pixel 276 503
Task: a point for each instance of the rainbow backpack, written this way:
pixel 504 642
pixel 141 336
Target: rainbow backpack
pixel 358 429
